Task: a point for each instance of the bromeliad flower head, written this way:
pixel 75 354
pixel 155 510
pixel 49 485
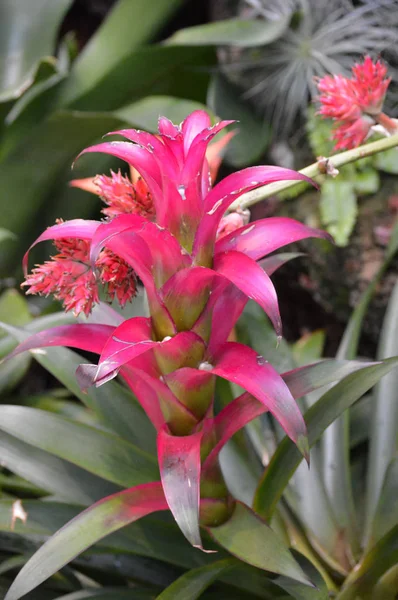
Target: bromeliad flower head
pixel 199 269
pixel 71 278
pixel 355 103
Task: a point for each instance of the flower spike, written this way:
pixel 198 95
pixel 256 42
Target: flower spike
pixel 166 228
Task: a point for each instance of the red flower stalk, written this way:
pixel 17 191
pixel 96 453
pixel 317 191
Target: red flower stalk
pixel 197 286
pixel 356 103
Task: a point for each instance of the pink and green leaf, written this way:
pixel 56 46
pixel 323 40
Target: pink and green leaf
pixel 243 366
pixel 180 466
pixel 250 278
pixel 267 235
pixel 96 522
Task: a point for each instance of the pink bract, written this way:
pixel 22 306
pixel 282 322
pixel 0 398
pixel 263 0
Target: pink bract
pixel 197 283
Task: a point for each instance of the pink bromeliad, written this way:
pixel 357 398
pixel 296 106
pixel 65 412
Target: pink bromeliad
pixel 199 268
pixel 356 104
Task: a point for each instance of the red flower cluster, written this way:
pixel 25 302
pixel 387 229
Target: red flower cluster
pixel 355 103
pixel 71 278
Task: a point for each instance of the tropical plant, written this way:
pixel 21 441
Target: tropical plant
pixel 197 278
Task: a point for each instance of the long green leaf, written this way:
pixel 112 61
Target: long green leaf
pixel 371 568
pixel 145 113
pixel 304 592
pixel 384 417
pixel 65 480
pixel 349 343
pixel 253 133
pixel 128 26
pixel 338 209
pixel 335 443
pixel 110 594
pixel 286 459
pixel 155 537
pixel 28 31
pixel 36 103
pixel 386 510
pixel 14 310
pixel 114 405
pixel 248 538
pixel 32 167
pixel 152 70
pixel 192 584
pixel 98 452
pixel 237 32
pixel 97 521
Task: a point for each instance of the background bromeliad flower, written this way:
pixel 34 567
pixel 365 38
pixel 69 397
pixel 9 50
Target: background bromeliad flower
pixel 356 104
pixel 197 286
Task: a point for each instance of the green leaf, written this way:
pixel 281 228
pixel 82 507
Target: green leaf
pixel 7 344
pixel 13 310
pixel 65 480
pixel 6 235
pixel 287 458
pixel 128 26
pixel 309 347
pixel 97 521
pixel 387 586
pixel 255 329
pixel 366 181
pixel 253 133
pixel 154 70
pixel 371 568
pixel 28 31
pixel 192 584
pixel 386 512
pixel 110 594
pixel 304 592
pixel 338 208
pixel 17 486
pixel 145 113
pixel 248 538
pixel 63 407
pixel 29 171
pixel 98 452
pixel 35 104
pixel 387 161
pixel 113 404
pixel 335 443
pixel 237 32
pixel 384 416
pixel 13 372
pixel 349 344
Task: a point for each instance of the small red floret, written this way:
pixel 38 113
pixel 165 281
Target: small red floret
pixel 124 197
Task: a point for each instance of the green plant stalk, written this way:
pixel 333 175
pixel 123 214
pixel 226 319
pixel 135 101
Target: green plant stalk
pixel 317 168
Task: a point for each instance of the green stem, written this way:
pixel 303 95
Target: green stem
pixel 338 160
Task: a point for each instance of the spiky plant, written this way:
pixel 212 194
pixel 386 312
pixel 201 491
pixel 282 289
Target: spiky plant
pixel 321 36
